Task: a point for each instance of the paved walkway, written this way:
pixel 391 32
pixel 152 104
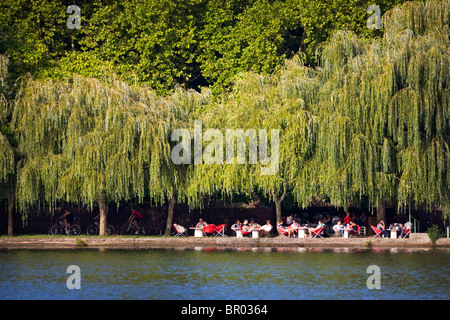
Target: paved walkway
pixel 141 242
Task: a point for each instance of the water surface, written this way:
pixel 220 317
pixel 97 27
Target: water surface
pixel 216 274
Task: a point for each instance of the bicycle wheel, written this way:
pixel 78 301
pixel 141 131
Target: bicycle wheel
pixel 125 229
pixel 111 230
pixel 56 229
pixel 74 230
pixel 92 230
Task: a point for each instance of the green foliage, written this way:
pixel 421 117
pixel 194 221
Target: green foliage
pixel 370 123
pixel 321 19
pixel 384 113
pixel 80 242
pixel 162 44
pixel 7 157
pixel 434 233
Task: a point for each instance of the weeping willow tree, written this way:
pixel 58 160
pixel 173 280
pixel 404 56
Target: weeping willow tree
pixel 91 142
pixel 266 135
pixel 372 124
pixel 7 164
pixel 177 175
pixel 7 154
pixel 384 113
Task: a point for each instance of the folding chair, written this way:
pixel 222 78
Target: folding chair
pixel 354 233
pixel 407 232
pixel 378 233
pixel 220 230
pixel 178 233
pixel 282 231
pixel 209 229
pixel 317 233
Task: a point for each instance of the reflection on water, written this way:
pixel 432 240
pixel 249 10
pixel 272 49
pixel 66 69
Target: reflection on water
pixel 223 273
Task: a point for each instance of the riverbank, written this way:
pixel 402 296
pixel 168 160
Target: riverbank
pixel 417 240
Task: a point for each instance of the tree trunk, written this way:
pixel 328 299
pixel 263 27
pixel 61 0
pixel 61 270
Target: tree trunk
pixel 170 216
pixel 381 210
pixel 11 200
pixel 103 219
pixel 278 203
pixel 277 210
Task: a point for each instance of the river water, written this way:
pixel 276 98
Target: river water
pixel 219 274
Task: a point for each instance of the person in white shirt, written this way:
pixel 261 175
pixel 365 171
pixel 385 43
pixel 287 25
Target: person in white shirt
pixel 408 225
pixel 292 228
pixel 338 228
pixel 201 223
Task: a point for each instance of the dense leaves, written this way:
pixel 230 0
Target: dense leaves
pixel 370 122
pixel 162 43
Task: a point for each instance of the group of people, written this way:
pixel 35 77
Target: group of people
pixel 348 223
pixel 394 227
pixel 248 227
pixel 245 227
pixel 291 227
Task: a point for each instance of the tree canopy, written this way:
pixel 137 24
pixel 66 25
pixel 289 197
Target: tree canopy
pixel 162 44
pixel 362 120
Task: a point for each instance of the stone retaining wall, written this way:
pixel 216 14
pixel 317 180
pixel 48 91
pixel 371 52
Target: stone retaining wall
pixel 142 242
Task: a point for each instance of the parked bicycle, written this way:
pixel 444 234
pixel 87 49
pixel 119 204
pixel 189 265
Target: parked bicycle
pixel 60 228
pixel 94 229
pixel 128 228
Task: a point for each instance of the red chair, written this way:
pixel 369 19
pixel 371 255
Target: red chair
pixel 378 233
pixel 220 230
pixel 209 229
pixel 317 232
pixel 283 232
pixel 406 233
pixel 353 233
pixel 178 233
pixel 244 233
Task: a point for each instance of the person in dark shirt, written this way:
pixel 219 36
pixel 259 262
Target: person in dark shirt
pixel 67 218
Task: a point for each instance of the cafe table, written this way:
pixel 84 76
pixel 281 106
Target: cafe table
pixel 198 232
pixel 302 232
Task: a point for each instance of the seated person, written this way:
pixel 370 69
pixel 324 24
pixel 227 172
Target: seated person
pixel 265 229
pixel 246 227
pixel 347 218
pixel 339 228
pixel 335 219
pixel 408 225
pixel 381 226
pixel 201 224
pixel 353 229
pixel 253 224
pixel 292 228
pixel 180 228
pixel 281 228
pixel 235 226
pixel 289 220
pixel 311 230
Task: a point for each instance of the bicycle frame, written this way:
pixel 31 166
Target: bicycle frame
pixel 130 229
pixel 72 229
